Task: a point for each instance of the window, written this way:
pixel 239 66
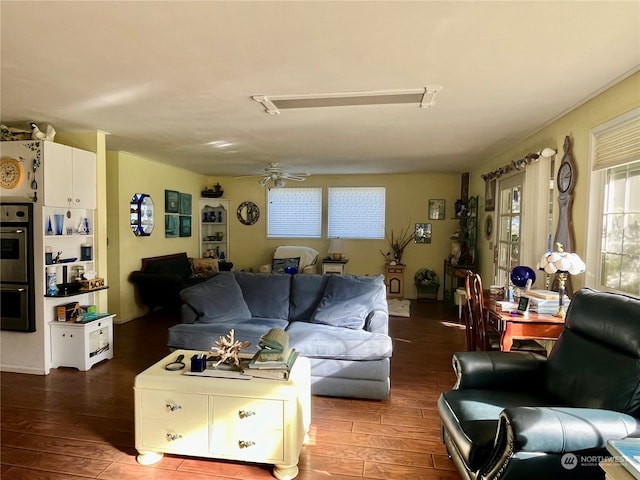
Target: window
pixel 614 262
pixel 620 248
pixel 356 212
pixel 294 212
pixel 509 235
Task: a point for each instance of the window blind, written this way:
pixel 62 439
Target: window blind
pixel 618 142
pixel 294 212
pixel 356 212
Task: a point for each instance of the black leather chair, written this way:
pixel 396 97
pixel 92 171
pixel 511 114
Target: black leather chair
pixel 520 416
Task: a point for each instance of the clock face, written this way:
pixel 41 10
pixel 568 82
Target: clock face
pixel 565 177
pixel 11 173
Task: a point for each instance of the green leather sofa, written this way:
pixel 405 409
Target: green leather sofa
pixel 519 416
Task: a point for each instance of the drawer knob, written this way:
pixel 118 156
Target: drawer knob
pixel 245 413
pixel 245 443
pixel 172 407
pixel 172 437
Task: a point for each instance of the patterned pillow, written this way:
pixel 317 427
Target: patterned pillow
pixel 278 265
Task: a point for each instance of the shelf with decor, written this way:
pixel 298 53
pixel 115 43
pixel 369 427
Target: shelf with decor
pixel 214 228
pixel 463 249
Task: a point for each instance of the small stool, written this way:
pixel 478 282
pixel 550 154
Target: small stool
pixel 460 299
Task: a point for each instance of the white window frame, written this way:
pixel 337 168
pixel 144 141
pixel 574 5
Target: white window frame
pixel 289 216
pixel 352 214
pixel 594 210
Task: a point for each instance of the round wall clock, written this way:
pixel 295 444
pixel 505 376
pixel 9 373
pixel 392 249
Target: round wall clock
pixel 11 172
pixel 565 177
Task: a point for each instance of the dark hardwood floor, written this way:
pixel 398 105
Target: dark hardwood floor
pixel 72 425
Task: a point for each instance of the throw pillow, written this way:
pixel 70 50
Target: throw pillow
pixel 278 265
pixel 203 267
pixel 347 301
pixel 216 300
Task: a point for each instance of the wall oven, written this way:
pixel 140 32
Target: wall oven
pixel 16 268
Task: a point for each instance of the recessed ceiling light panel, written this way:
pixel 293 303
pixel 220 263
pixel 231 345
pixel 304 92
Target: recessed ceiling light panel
pixel 421 97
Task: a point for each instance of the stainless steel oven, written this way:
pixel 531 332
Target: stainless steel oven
pixel 16 267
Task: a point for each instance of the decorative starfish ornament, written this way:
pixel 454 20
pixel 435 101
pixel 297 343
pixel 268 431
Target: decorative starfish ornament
pixel 228 349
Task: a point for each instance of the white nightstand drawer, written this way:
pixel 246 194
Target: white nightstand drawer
pixel 248 413
pixel 262 446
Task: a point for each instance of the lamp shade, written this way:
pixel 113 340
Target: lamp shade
pixel 552 262
pixel 336 245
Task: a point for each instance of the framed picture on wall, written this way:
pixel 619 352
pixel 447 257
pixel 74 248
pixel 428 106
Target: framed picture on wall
pixel 436 209
pixel 490 195
pixel 422 233
pixel 171 226
pixel 185 226
pixel 185 204
pixel 171 201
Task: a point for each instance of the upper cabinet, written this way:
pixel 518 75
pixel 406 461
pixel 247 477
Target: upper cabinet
pixel 52 174
pixel 69 177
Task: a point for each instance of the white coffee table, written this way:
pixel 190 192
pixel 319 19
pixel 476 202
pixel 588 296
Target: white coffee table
pixel 256 420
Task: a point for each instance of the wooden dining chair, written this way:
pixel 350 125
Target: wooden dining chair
pixel 467 315
pixel 485 336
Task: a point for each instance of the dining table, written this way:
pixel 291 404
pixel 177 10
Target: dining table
pixel 514 326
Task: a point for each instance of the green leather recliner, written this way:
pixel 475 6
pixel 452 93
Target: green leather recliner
pixel 519 416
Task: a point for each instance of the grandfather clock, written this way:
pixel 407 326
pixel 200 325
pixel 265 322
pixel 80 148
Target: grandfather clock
pixel 565 183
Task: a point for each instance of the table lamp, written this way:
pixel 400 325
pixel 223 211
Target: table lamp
pixel 336 248
pixel 562 263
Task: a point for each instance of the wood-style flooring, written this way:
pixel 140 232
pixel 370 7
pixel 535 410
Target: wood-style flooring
pixel 72 425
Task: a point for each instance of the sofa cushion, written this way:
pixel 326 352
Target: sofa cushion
pixel 204 336
pixel 267 295
pixel 306 292
pixel 347 301
pixel 325 341
pixel 216 300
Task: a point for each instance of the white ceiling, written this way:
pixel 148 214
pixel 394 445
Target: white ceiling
pixel 168 78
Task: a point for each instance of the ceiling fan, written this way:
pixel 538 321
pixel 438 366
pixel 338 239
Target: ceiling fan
pixel 273 176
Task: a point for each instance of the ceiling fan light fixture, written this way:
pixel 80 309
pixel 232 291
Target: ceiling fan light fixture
pixel 421 97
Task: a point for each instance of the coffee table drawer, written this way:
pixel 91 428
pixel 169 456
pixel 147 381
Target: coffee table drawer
pixel 248 413
pixel 174 436
pixel 175 405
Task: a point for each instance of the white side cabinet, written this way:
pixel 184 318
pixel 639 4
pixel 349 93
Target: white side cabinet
pixel 81 345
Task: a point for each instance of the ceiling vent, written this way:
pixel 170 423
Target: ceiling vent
pixel 420 97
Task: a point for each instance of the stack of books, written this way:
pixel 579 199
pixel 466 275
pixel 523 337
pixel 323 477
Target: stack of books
pixel 275 358
pixel 545 301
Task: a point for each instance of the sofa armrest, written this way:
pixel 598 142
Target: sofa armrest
pixel 498 370
pixel 377 322
pixel 556 431
pixel 561 430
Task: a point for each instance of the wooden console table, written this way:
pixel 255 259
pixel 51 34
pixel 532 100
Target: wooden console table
pixel 516 327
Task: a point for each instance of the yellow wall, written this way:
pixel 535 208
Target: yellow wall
pixel 577 124
pixel 128 174
pixel 407 198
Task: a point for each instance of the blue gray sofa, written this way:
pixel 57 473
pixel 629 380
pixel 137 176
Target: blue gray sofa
pixel 340 322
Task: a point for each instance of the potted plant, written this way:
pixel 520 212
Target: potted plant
pixel 397 243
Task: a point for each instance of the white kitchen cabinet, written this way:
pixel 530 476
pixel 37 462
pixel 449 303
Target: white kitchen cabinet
pixel 69 176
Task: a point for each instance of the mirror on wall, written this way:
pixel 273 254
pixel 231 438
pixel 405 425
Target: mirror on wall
pixel 248 213
pixel 141 209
